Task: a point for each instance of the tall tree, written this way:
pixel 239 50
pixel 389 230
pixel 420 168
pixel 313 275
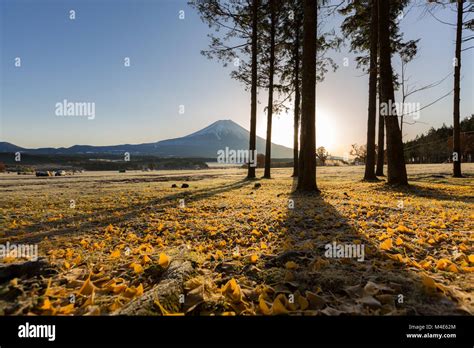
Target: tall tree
pixel 395 156
pixel 290 71
pixel 271 75
pixel 372 109
pixel 457 90
pixel 462 22
pixel 380 141
pixel 236 24
pixel 253 92
pixel 297 87
pixel 358 26
pixel 307 170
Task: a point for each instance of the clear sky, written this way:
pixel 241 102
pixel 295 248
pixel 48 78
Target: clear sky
pixel 82 60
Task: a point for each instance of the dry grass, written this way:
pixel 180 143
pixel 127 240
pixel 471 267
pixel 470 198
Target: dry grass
pixel 252 252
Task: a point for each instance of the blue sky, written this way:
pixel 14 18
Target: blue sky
pixel 82 60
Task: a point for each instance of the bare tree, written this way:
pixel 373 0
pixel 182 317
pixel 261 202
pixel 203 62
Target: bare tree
pixel 372 109
pixel 307 169
pixel 460 24
pixel 395 156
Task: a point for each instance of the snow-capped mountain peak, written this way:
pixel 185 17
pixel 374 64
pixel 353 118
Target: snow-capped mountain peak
pixel 221 129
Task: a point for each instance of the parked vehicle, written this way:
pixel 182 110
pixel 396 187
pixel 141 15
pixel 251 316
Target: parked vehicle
pixel 43 173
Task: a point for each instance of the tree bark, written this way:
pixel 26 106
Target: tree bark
pixel 307 172
pixel 253 89
pixel 271 72
pixel 381 140
pixel 457 78
pixel 372 109
pixel 297 96
pixel 395 157
pixel 167 292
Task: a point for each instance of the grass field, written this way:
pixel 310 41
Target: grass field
pixel 130 243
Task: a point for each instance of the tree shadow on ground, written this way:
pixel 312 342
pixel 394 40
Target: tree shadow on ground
pixel 37 232
pixel 425 192
pixel 345 286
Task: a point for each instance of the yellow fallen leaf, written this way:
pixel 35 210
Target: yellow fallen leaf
pixel 442 264
pixel 87 288
pixel 319 263
pixel 255 233
pixel 386 245
pixel 134 291
pixel 90 300
pixel 399 241
pixel 137 268
pixel 429 282
pixel 232 290
pixel 302 301
pixel 77 260
pixel 452 268
pixel 68 309
pixel 263 306
pixel 278 306
pixel 115 305
pixel 471 258
pixel 139 290
pixel 115 254
pixel 145 259
pixel 291 265
pixel 117 289
pixel 396 257
pixel 402 228
pixel 46 305
pixel 164 260
pixel 426 264
pixel 253 258
pixel 263 245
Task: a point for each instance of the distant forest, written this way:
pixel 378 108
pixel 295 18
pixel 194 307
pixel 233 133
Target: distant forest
pixel 436 145
pixel 30 162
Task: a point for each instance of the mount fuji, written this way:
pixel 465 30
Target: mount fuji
pixel 201 144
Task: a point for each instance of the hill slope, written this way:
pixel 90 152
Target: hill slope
pixel 204 143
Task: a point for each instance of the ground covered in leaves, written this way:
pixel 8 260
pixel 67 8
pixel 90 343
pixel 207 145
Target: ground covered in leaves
pixel 131 243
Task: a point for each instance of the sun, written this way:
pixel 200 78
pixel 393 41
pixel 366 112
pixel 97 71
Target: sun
pixel 325 130
pixel 282 130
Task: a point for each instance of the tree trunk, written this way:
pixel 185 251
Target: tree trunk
pixel 307 172
pixel 381 140
pixel 271 72
pixel 395 157
pixel 372 109
pixel 297 96
pixel 456 113
pixel 253 89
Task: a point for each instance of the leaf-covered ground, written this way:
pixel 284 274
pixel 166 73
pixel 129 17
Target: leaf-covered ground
pixel 108 239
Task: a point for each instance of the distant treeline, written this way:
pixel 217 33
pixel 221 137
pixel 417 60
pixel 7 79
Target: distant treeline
pixel 30 162
pixel 436 145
